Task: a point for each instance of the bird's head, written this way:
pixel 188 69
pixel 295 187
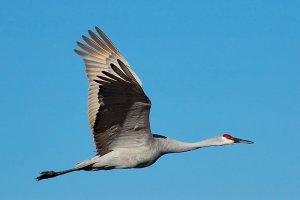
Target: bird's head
pixel 228 139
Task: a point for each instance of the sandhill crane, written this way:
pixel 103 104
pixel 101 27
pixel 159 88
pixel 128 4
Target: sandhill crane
pixel 119 111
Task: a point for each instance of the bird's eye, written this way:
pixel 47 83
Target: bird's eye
pixel 227 136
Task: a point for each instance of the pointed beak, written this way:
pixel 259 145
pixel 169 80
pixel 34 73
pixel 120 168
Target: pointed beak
pixel 237 140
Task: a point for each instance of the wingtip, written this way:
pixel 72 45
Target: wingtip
pixel 99 31
pixel 86 39
pixel 80 53
pixel 81 45
pixel 90 32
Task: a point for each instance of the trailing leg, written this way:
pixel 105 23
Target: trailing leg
pixel 51 174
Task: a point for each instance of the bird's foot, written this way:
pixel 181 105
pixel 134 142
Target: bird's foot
pixel 46 174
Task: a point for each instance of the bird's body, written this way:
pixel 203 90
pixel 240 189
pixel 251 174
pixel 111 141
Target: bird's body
pixel 119 114
pixel 124 158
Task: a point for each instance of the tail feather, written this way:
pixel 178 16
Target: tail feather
pixel 51 174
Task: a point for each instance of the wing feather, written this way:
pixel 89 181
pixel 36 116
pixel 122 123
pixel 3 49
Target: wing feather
pixel 117 105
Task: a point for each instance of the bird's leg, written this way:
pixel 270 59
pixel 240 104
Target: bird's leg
pixel 51 174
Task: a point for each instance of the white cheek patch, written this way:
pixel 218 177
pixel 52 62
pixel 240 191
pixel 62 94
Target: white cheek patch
pixel 227 141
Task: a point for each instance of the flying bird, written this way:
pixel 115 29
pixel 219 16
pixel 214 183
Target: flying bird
pixel 118 111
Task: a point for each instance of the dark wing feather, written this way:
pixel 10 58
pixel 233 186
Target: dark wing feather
pixel 123 117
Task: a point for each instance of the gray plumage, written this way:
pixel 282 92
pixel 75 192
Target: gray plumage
pixel 119 114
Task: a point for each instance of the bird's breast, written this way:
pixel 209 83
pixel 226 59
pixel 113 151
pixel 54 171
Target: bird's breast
pixel 146 158
pixel 138 157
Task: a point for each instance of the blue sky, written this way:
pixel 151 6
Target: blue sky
pixel 209 67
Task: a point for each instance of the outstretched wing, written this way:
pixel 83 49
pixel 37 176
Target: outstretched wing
pixel 117 105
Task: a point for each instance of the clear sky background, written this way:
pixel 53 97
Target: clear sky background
pixel 209 67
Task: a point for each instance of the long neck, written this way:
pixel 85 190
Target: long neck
pixel 169 145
